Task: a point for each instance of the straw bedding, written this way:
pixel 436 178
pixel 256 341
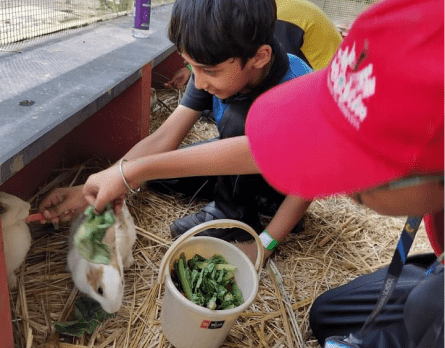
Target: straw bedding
pixel 341 241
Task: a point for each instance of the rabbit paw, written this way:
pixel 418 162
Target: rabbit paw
pixel 128 261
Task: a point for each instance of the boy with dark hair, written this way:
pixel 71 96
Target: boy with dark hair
pixel 302 28
pixel 213 32
pixel 235 58
pixel 243 37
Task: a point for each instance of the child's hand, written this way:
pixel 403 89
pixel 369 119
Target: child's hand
pixel 62 204
pixel 105 187
pixel 180 79
pixel 251 250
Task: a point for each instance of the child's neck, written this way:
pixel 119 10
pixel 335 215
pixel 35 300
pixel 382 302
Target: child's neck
pixel 256 81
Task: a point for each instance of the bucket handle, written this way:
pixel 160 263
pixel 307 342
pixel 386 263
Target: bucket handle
pixel 221 223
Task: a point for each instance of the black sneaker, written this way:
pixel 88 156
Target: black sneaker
pixel 208 213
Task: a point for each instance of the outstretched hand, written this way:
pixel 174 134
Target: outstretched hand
pixel 251 250
pixel 62 204
pixel 179 79
pixel 105 187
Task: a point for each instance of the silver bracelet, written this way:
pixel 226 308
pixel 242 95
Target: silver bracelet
pixel 123 177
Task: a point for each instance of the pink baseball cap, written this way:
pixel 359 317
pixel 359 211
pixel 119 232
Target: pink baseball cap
pixel 375 114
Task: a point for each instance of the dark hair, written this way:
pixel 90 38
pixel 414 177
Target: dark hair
pixel 212 31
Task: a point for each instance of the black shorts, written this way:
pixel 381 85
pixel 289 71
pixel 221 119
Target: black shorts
pixel 413 317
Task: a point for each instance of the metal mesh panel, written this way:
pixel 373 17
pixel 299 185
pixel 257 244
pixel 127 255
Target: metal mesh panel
pixel 343 12
pixel 24 19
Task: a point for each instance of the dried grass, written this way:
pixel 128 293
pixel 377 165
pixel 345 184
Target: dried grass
pixel 341 241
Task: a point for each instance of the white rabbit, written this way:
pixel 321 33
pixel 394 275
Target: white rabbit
pixel 105 283
pixel 16 235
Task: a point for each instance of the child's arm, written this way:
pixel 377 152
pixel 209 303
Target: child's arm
pixel 179 79
pixel 223 157
pixel 63 203
pixel 286 218
pixel 168 136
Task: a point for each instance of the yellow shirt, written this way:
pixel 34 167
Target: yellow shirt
pixel 306 31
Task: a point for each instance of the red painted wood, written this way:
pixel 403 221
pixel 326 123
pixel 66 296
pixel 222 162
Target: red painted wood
pixel 166 69
pixel 146 82
pixel 6 339
pixel 108 134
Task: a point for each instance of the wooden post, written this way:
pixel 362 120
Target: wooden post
pixel 6 337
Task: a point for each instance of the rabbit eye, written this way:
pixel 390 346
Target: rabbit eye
pixel 100 291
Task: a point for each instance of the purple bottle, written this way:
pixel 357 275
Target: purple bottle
pixel 141 15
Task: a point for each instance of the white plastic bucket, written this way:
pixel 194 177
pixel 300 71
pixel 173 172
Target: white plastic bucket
pixel 187 325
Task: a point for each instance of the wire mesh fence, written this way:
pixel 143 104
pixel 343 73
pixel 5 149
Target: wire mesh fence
pixel 343 12
pixel 25 19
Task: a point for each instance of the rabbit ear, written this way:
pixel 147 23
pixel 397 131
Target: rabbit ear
pixel 123 218
pixel 110 240
pixel 14 208
pixel 110 237
pixel 11 201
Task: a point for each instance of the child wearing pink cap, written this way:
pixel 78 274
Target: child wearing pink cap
pixel 371 126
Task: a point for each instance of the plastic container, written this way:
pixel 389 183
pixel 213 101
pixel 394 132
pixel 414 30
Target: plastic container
pixel 141 18
pixel 187 325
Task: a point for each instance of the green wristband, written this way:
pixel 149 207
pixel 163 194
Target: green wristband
pixel 268 241
pixel 188 66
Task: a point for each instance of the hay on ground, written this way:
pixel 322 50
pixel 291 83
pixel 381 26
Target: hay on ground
pixel 341 241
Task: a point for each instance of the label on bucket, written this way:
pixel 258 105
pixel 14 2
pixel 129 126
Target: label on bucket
pixel 207 324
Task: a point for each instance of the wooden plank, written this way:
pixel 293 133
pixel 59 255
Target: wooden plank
pixel 5 310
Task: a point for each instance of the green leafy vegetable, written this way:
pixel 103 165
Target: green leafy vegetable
pixel 88 315
pixel 237 294
pixel 218 266
pixel 207 282
pixel 184 277
pixel 212 303
pixel 88 237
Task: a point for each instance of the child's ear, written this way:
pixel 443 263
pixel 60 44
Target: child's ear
pixel 262 57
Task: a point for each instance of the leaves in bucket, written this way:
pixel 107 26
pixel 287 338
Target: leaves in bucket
pixel 207 282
